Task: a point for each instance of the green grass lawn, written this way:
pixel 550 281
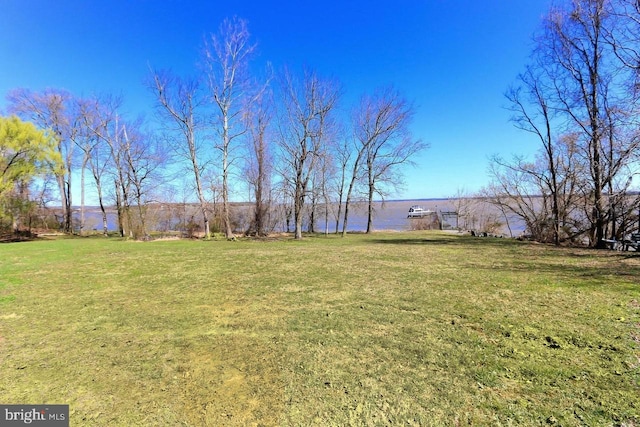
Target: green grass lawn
pixel 417 328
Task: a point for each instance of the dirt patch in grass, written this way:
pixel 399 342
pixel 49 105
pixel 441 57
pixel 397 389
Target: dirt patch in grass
pixel 232 381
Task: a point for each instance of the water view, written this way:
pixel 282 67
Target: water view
pixel 471 214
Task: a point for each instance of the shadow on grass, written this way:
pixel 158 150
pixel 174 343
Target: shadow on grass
pixel 592 268
pixel 501 242
pixel 16 239
pixel 453 240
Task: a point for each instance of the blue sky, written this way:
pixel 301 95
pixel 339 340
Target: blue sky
pixel 454 59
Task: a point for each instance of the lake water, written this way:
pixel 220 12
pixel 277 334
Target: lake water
pixel 390 215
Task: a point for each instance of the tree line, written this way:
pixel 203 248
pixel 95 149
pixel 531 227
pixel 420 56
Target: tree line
pixel 279 133
pixel 579 97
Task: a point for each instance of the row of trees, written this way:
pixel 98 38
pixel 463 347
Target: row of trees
pixel 280 134
pixel 90 136
pixel 579 97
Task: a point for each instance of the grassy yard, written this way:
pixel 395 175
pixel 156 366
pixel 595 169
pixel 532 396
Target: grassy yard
pixel 415 328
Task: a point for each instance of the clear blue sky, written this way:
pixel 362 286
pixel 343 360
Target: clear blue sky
pixel 453 58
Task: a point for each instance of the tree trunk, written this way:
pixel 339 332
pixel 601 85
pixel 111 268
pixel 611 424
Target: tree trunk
pixel 339 213
pixel 63 203
pixel 69 207
pixel 105 223
pixel 326 218
pixel 82 192
pixel 201 199
pixel 354 177
pixel 298 203
pixel 98 181
pixel 312 213
pixel 228 231
pixel 370 209
pixel 119 210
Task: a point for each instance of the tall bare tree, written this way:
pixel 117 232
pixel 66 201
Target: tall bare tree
pixel 111 131
pixel 134 162
pixel 590 92
pixel 180 101
pixel 318 189
pixel 326 176
pixel 227 54
pixel 87 141
pixel 141 157
pixel 343 154
pixel 533 114
pixel 384 142
pixel 361 116
pixel 305 126
pixel 576 44
pixel 259 167
pixel 54 110
pixel 99 115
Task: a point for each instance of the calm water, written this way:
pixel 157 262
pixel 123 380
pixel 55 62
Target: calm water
pixel 391 215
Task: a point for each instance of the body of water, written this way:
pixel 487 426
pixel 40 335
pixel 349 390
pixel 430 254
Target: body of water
pixel 390 215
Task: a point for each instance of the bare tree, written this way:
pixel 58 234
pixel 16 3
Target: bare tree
pixel 319 188
pixel 141 156
pixel 326 177
pixel 343 154
pixel 589 91
pixel 87 141
pixel 101 118
pixel 305 126
pixel 227 56
pixel 53 109
pixel 381 128
pixel 537 120
pixel 113 136
pixel 179 101
pixel 624 36
pixel 575 98
pixel 259 167
pixel 522 188
pixel 357 151
pixel 111 129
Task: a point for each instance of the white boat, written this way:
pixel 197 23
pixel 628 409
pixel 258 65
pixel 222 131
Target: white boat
pixel 418 212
